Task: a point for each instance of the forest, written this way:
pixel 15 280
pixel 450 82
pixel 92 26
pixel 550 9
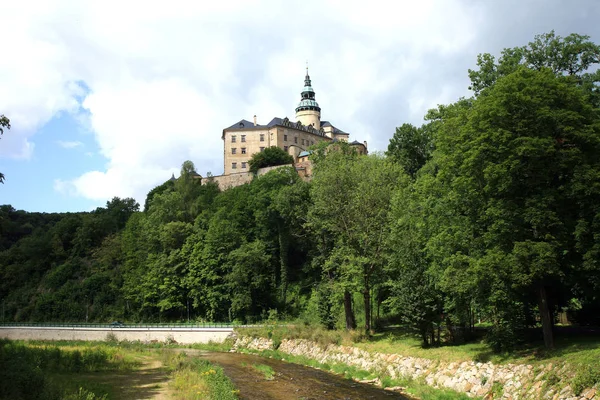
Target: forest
pixel 488 213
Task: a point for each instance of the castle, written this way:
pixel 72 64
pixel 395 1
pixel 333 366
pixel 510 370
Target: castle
pixel 244 138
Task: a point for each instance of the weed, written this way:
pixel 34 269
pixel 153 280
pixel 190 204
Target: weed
pixel 585 377
pixel 267 371
pixel 84 394
pixel 196 378
pixel 111 338
pixel 497 390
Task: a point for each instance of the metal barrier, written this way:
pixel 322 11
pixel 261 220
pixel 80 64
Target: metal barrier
pixel 119 325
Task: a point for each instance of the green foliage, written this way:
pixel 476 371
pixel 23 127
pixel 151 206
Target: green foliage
pixel 269 157
pixel 196 378
pixel 351 198
pixel 497 389
pixel 573 56
pixel 25 369
pixel 84 394
pixel 586 376
pixel 411 147
pixel 325 306
pixel 267 371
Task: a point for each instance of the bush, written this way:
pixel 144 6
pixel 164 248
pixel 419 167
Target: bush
pixel 586 377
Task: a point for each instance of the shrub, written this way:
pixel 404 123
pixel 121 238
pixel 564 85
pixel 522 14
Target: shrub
pixel 585 377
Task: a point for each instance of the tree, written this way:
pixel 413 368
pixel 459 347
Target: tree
pixel 571 56
pixel 351 198
pixel 411 147
pixel 189 186
pixel 269 157
pixel 167 186
pixel 413 294
pixel 512 168
pixel 4 123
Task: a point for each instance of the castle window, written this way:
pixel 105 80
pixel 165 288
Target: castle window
pixel 243 138
pixel 243 164
pixel 243 150
pixel 233 150
pixel 296 139
pixel 285 148
pixel 285 138
pixel 262 149
pixel 311 142
pixel 262 137
pixel 302 142
pixel 233 165
pixel 233 137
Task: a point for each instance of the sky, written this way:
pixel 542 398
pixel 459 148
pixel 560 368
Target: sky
pixel 109 98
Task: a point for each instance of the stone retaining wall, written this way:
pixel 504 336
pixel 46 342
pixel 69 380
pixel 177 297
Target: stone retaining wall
pixel 518 381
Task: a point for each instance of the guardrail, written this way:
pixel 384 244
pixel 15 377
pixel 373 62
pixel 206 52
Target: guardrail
pixel 120 325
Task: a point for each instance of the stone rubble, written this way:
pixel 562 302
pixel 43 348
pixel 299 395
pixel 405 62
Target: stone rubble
pixel 476 379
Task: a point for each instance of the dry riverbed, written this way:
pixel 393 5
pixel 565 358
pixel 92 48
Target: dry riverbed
pixel 291 381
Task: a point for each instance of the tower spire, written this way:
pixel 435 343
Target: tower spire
pixel 308 111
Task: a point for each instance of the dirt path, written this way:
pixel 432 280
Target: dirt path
pixel 291 381
pixel 148 382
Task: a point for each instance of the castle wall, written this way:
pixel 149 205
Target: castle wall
pixel 229 181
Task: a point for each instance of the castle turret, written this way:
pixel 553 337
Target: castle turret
pixel 308 111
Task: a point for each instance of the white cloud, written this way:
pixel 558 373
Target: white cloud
pixel 164 79
pixel 66 144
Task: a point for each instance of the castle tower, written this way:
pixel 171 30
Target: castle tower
pixel 308 111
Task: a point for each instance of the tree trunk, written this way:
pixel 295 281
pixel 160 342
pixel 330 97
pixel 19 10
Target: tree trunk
pixel 424 337
pixel 545 316
pixel 350 320
pixel 432 334
pixel 378 318
pixel 367 300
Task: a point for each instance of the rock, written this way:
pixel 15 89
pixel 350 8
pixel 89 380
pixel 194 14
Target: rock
pixel 395 388
pixel 589 394
pixel 470 377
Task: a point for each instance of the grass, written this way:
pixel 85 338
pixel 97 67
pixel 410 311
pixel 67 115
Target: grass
pixel 572 349
pixel 421 390
pixel 278 332
pixel 40 370
pixel 575 350
pixel 267 371
pixel 196 378
pixel 78 370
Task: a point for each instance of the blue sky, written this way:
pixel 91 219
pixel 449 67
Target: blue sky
pixel 109 98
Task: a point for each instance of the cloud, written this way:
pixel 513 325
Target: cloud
pixel 69 144
pixel 156 83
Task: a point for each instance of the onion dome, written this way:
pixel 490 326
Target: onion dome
pixel 308 101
